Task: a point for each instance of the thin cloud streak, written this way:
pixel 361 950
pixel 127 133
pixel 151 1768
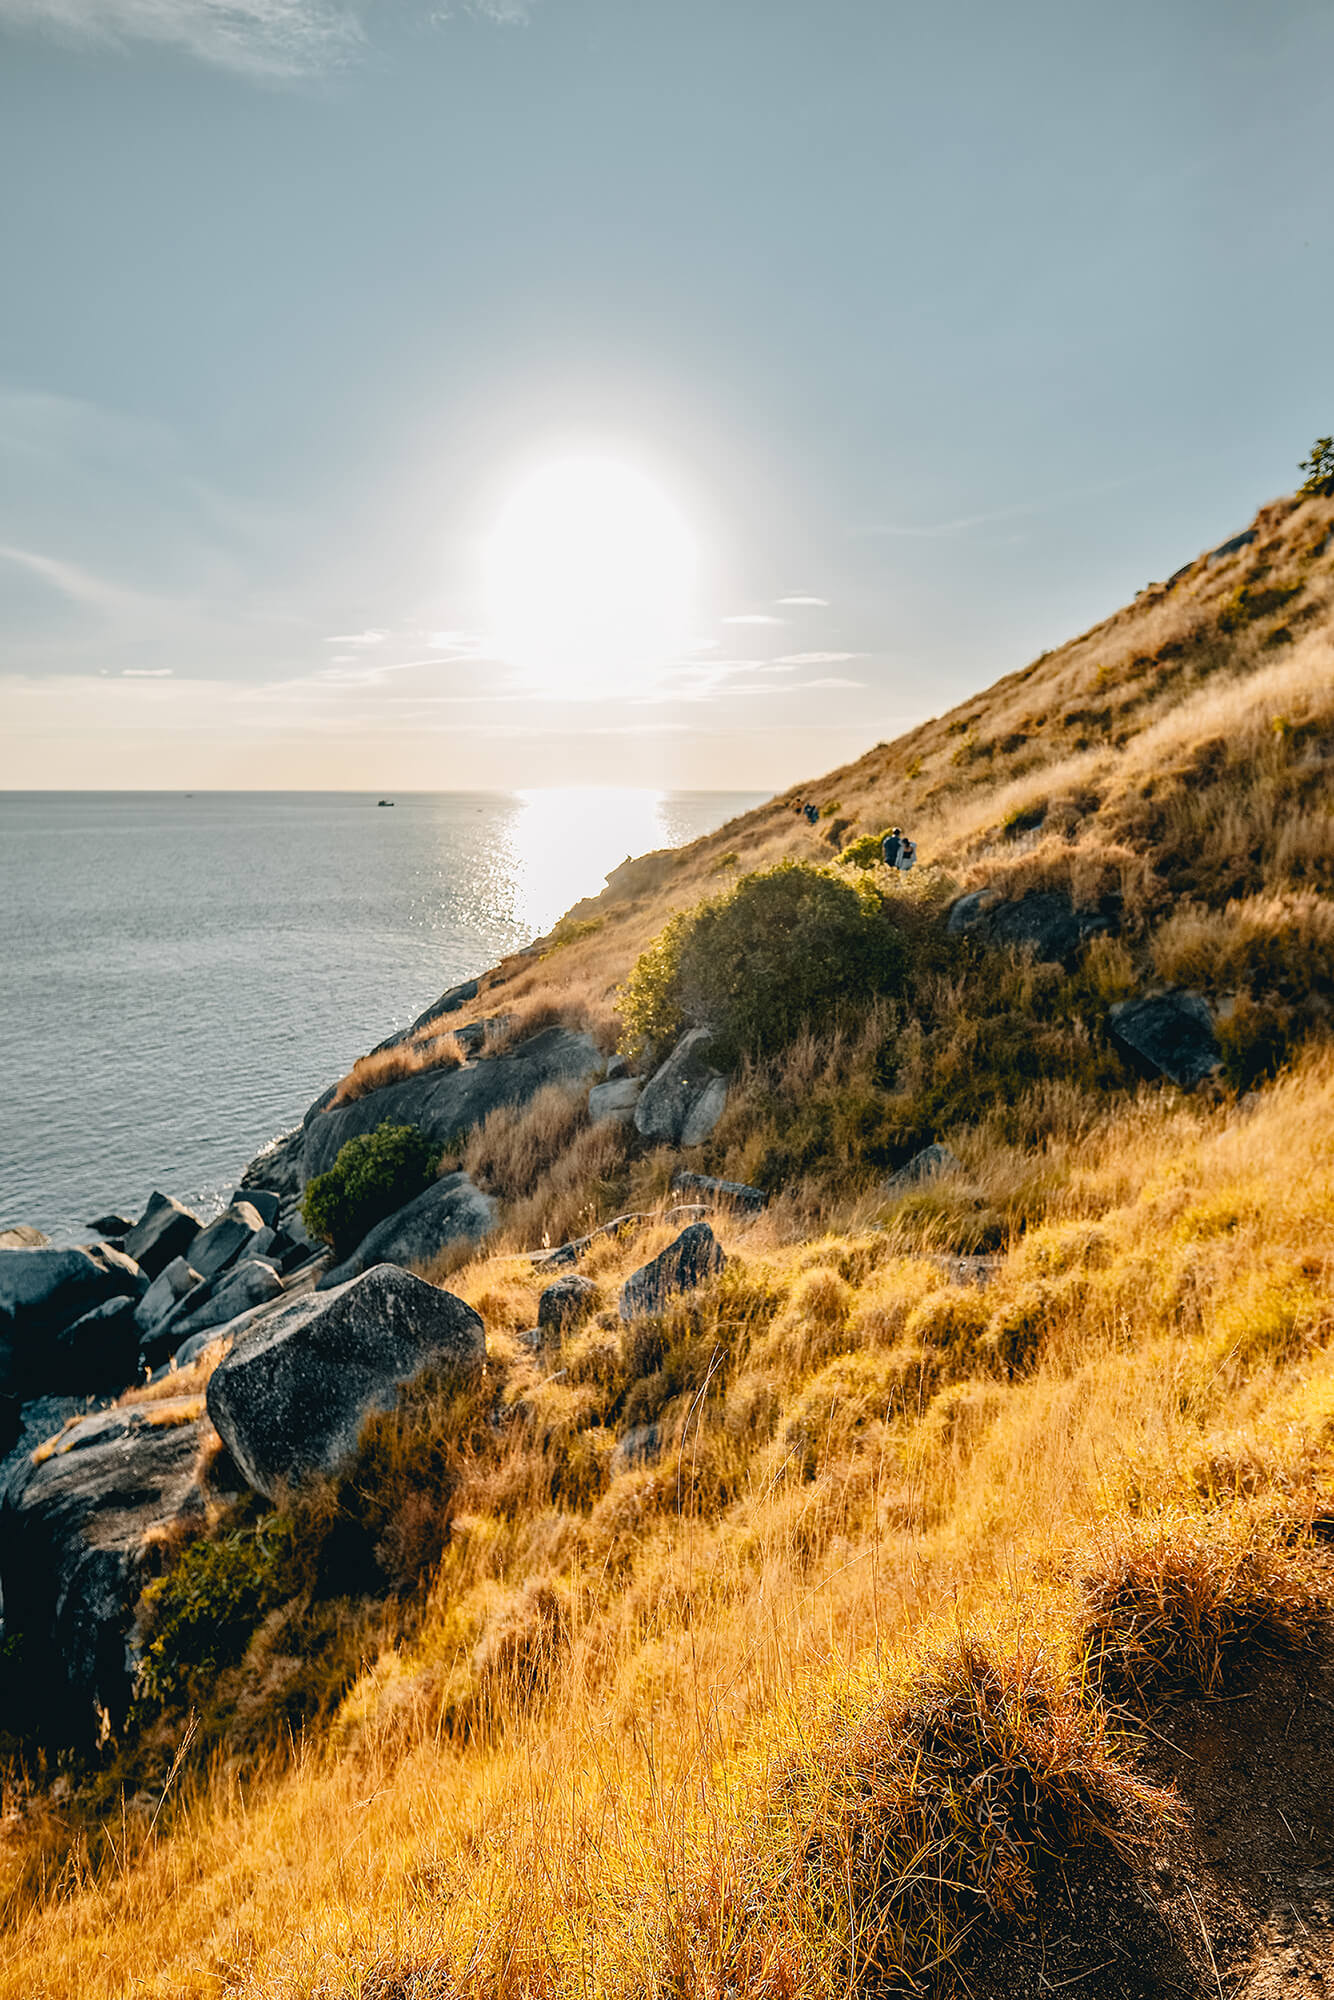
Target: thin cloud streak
pixel 264 38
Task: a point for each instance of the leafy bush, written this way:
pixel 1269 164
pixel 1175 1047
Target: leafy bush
pixel 202 1613
pixel 374 1174
pixel 1319 469
pixel 785 948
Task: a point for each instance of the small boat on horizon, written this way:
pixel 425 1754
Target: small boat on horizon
pixel 384 802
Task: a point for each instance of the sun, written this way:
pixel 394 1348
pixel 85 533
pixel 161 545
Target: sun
pixel 590 578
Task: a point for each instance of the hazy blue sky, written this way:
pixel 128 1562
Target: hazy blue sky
pixel 965 319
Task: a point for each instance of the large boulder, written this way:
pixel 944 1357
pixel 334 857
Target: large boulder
pixel 98 1353
pixel 266 1202
pixel 695 1255
pixel 163 1232
pixel 163 1296
pixel 1167 1034
pixel 45 1290
pixel 225 1240
pixel 77 1522
pixel 451 1210
pixel 446 1102
pixel 246 1285
pixel 566 1304
pixel 614 1101
pixel 684 1099
pixel 735 1195
pixel 293 1394
pixel 1045 920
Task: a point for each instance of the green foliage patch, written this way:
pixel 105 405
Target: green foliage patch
pixel 203 1612
pixel 786 947
pixel 374 1175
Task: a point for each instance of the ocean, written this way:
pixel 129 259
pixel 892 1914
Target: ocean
pixel 183 973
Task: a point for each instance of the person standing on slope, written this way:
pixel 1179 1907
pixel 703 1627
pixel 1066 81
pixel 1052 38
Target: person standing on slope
pixel 891 847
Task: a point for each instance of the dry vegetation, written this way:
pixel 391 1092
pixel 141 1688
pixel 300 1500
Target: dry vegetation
pixel 819 1635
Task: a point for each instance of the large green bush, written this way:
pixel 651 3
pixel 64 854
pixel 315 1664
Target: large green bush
pixel 202 1613
pixel 787 947
pixel 373 1176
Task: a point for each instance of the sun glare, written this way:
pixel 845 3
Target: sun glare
pixel 590 578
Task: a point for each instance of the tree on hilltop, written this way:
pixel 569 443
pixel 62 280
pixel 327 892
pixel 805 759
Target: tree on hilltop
pixel 1319 469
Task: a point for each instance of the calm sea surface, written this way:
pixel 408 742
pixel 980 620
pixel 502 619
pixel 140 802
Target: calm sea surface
pixel 181 975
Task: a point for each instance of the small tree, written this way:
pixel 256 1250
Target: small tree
pixel 374 1174
pixel 1319 469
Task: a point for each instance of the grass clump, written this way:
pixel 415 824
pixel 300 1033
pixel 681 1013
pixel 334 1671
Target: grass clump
pixel 1181 1606
pixel 373 1175
pixel 201 1615
pixel 786 947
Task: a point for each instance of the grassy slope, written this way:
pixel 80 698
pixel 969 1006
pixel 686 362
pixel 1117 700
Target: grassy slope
pixel 647 1731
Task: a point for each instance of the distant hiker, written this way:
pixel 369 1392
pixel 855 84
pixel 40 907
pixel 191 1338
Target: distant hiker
pixel 798 805
pixel 907 854
pixel 891 847
pixel 813 815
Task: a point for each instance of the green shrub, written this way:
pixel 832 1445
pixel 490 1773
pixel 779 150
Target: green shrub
pixel 785 948
pixel 374 1174
pixel 863 852
pixel 202 1613
pixel 1319 469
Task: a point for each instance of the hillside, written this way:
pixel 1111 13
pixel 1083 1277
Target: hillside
pixel 936 1598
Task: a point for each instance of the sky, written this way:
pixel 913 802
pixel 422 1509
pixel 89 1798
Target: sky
pixel 935 331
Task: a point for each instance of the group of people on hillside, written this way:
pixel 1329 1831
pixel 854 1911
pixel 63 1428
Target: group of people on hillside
pixel 896 850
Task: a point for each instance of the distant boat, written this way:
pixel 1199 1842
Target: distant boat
pixel 384 802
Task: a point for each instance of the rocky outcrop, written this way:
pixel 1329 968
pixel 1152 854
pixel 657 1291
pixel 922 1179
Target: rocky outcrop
pixel 98 1353
pixel 566 1304
pixel 684 1099
pixel 23 1237
pixel 164 1295
pixel 163 1232
pixel 225 1240
pixel 451 1210
pixel 1167 1034
pixel 246 1285
pixel 933 1163
pixel 446 1102
pixel 75 1528
pixel 734 1195
pixel 42 1291
pixel 1045 920
pixel 449 1003
pixel 695 1255
pixel 614 1101
pixel 292 1396
pixel 266 1202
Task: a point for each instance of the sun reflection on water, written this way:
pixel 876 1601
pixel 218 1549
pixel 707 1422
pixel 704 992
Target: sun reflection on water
pixel 566 841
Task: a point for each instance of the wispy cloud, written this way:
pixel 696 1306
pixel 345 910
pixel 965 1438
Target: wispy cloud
pixel 146 674
pixel 356 638
pixel 816 659
pixel 802 600
pixel 80 586
pixel 753 618
pixel 275 38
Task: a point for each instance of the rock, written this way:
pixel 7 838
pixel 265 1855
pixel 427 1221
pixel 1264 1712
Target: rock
pixel 42 1291
pixel 684 1099
pixel 23 1237
pixel 162 1233
pixel 569 1253
pixel 266 1203
pixel 1045 919
pixel 446 1102
pixel 720 1194
pixel 451 1210
pixel 614 1101
pixel 276 1168
pixel 123 1270
pixel 292 1396
pixel 1167 1034
pixel 99 1352
pixel 163 1296
pixel 226 1239
pixel 933 1163
pixel 566 1304
pixel 74 1534
pixel 1242 541
pixel 617 1068
pixel 639 1446
pixel 248 1284
pixel 695 1255
pixel 448 1003
pixel 111 1225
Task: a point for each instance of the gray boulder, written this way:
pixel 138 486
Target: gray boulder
pixel 248 1284
pixel 163 1296
pixel 226 1239
pixel 720 1194
pixel 448 1003
pixel 1167 1034
pixel 614 1101
pixel 1044 919
pixel 695 1255
pixel 446 1102
pixel 43 1291
pixel 23 1237
pixel 98 1353
pixel 266 1202
pixel 112 1224
pixel 566 1304
pixel 275 1169
pixel 933 1163
pixel 75 1530
pixel 292 1396
pixel 618 1067
pixel 163 1232
pixel 451 1210
pixel 684 1099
